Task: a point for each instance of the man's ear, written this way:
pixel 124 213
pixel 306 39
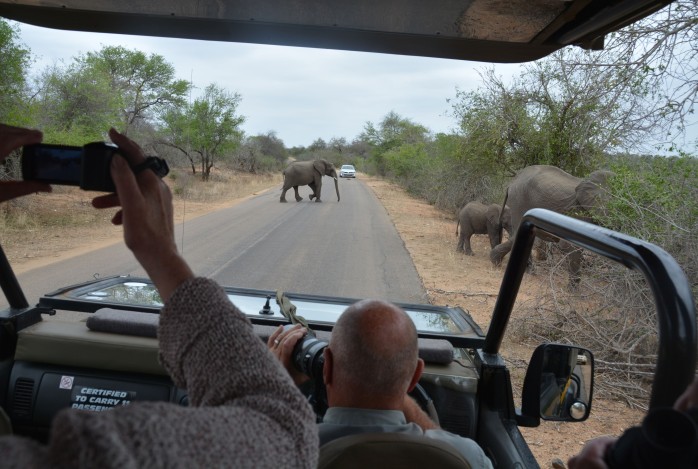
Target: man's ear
pixel 328 366
pixel 417 374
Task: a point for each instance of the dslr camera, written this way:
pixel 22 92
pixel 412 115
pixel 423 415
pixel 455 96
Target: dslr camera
pixel 87 167
pixel 308 355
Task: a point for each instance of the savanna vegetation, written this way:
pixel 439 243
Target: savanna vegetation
pixel 578 110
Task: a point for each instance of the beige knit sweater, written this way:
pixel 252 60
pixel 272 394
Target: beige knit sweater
pixel 244 409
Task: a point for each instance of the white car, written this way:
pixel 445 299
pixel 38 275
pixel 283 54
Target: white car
pixel 347 171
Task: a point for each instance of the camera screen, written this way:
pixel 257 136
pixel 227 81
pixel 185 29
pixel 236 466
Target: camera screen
pixel 55 164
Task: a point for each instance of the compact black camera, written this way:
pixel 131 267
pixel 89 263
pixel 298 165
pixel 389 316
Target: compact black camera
pixel 86 167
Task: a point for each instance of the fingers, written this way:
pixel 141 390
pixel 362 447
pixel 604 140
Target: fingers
pixel 13 189
pixel 12 138
pixel 273 339
pixel 281 339
pixel 124 181
pixel 593 454
pixel 289 340
pixel 130 149
pixel 281 343
pixel 106 201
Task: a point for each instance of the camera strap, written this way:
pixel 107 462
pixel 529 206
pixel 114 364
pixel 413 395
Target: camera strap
pixel 158 165
pixel 288 310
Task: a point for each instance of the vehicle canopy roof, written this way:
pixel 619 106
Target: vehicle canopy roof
pixel 481 30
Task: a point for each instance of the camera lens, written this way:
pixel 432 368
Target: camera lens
pixel 308 356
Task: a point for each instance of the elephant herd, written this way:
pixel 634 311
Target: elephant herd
pixel 539 186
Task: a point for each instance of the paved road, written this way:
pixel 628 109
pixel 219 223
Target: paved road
pixel 348 249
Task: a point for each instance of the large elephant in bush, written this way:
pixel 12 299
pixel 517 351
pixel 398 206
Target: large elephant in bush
pixel 478 218
pixel 549 187
pixel 308 173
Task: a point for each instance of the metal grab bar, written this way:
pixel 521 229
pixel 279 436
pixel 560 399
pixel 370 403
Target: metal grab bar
pixel 676 309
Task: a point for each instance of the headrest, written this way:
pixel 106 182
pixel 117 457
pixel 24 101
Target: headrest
pixel 390 450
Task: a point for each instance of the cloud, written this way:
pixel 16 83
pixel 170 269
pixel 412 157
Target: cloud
pixel 301 93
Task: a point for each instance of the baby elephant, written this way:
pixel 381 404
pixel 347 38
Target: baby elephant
pixel 478 218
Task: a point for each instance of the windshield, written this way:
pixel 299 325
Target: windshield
pixel 260 243
pixel 140 294
pixel 233 121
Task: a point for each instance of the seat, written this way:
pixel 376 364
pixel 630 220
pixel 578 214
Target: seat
pixel 389 451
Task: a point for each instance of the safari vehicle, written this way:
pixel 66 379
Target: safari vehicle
pixel 111 359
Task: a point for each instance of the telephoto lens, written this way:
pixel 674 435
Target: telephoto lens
pixel 308 356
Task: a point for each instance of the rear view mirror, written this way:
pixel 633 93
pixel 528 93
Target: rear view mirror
pixel 558 385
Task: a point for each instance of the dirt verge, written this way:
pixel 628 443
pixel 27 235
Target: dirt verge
pixel 471 282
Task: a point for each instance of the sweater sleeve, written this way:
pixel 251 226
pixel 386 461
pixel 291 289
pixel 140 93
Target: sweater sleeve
pixel 209 348
pixel 244 409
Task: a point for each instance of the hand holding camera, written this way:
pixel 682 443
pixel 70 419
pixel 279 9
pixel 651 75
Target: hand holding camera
pixel 87 167
pixel 12 138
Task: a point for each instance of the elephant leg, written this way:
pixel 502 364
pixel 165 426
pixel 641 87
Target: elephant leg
pixel 298 197
pixel 494 235
pixel 283 194
pixel 575 264
pixel 312 188
pixel 461 241
pixel 499 251
pixel 466 243
pixel 317 188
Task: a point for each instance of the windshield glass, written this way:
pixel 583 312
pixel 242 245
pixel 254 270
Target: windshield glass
pixel 140 293
pixel 262 243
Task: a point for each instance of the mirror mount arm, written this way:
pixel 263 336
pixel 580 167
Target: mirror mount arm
pixel 529 414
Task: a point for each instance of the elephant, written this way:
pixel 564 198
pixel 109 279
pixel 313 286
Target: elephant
pixel 549 187
pixel 478 218
pixel 302 173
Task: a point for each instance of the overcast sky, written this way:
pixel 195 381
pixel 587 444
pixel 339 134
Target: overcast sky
pixel 301 94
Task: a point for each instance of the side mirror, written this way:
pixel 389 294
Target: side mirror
pixel 558 385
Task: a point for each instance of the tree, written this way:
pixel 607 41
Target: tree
pixel 14 63
pixel 262 152
pixel 663 48
pixel 392 132
pixel 318 145
pixel 77 104
pixel 146 84
pixel 552 113
pixel 206 130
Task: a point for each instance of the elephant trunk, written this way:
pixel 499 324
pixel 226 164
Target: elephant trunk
pixel 336 187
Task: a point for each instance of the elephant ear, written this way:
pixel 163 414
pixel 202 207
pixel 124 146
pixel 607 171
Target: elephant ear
pixel 591 191
pixel 492 215
pixel 320 166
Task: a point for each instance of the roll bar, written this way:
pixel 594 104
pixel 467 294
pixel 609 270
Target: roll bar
pixel 676 309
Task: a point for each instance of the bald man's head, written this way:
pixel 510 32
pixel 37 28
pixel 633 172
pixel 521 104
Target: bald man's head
pixel 374 346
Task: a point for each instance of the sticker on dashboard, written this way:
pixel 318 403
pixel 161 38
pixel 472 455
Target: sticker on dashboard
pixel 99 399
pixel 66 382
